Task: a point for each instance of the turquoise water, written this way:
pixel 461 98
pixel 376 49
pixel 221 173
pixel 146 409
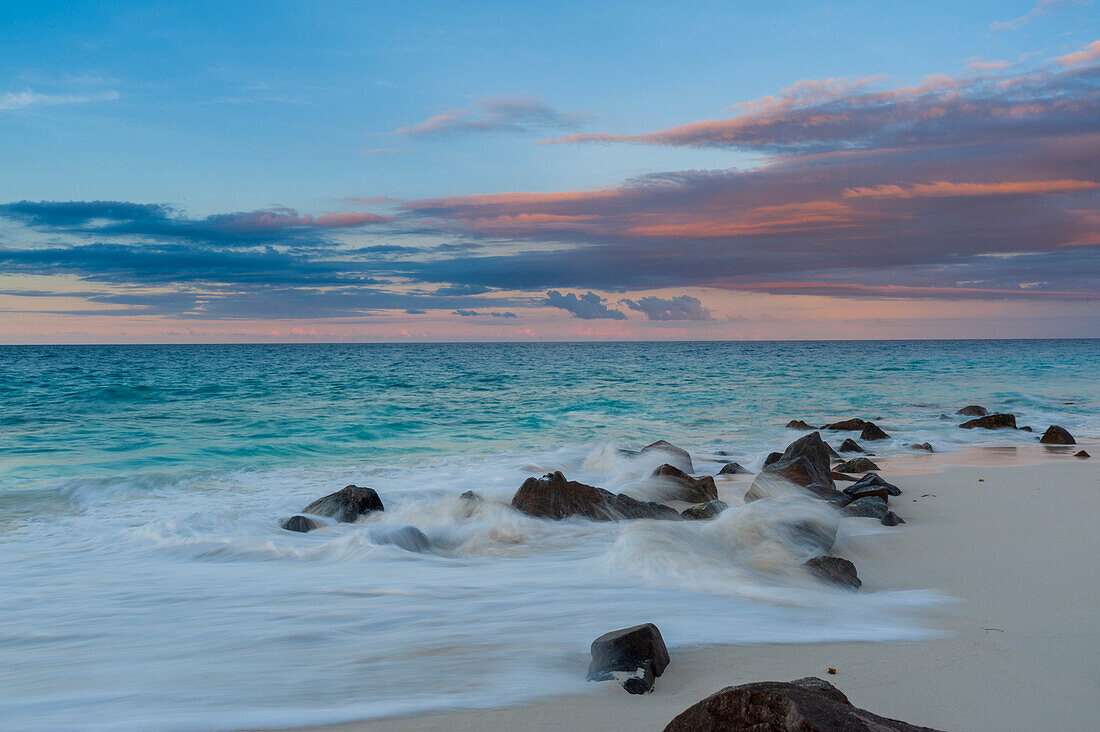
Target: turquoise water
pixel 149 585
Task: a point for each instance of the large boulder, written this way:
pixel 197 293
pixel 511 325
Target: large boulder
pixel 554 497
pixel 848 425
pixel 850 445
pixel 805 462
pixel 872 431
pixel 301 524
pixel 973 410
pixel 347 504
pixel 673 455
pixel 857 465
pixel 1056 435
pixel 686 488
pixel 632 656
pixel 409 538
pixel 798 424
pixel 991 422
pixel 704 511
pixel 836 570
pixel 805 705
pixel 733 469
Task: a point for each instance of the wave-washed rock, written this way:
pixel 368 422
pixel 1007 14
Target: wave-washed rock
pixel 347 504
pixel 705 511
pixel 835 570
pixel 973 410
pixel 632 656
pixel 677 456
pixel 991 422
pixel 805 462
pixel 554 497
pixel 685 487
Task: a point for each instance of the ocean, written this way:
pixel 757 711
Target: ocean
pixel 148 584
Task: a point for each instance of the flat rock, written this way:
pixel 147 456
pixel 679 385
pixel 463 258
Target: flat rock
pixel 805 705
pixel 869 507
pixel 973 410
pixel 850 445
pixel 836 570
pixel 673 455
pixel 1056 435
pixel 704 511
pixel 300 524
pixel 687 488
pixel 872 431
pixel 347 504
pixel 409 538
pixel 847 425
pixel 991 422
pixel 798 424
pixel 857 465
pixel 632 656
pixel 733 469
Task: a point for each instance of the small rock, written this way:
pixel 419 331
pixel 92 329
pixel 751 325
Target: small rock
pixel 691 490
pixel 973 410
pixel 346 505
pixel 798 424
pixel 674 455
pixel 732 469
pixel 409 538
pixel 301 524
pixel 1056 435
pixel 991 422
pixel 836 570
pixel 633 656
pixel 870 507
pixel 848 425
pixel 705 511
pixel 891 519
pixel 850 445
pixel 871 431
pixel 925 446
pixel 1081 454
pixel 857 465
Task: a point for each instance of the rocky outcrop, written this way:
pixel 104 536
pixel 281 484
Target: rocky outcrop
pixel 848 425
pixel 301 524
pixel 673 455
pixel 850 445
pixel 798 424
pixel 346 505
pixel 1056 435
pixel 554 497
pixel 871 431
pixel 991 422
pixel 686 488
pixel 409 538
pixel 805 462
pixel 857 465
pixel 733 469
pixel 973 410
pixel 632 656
pixel 805 705
pixel 704 511
pixel 836 570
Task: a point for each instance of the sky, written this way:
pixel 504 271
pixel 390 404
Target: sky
pixel 442 171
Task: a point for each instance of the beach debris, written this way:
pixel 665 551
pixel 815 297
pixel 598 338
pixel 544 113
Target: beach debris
pixel 301 524
pixel 867 507
pixel 634 657
pixel 973 410
pixel 796 706
pixel 347 504
pixel 834 569
pixel 733 469
pixel 554 497
pixel 925 446
pixel 705 511
pixel 872 431
pixel 773 457
pixel 891 519
pixel 805 462
pixel 687 488
pixel 850 445
pixel 857 465
pixel 832 671
pixel 674 455
pixel 1056 435
pixel 873 479
pixel 409 538
pixel 798 424
pixel 1081 454
pixel 991 422
pixel 855 424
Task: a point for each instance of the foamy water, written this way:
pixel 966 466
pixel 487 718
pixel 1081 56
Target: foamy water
pixel 149 586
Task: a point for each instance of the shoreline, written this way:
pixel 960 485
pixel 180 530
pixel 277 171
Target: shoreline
pixel 1014 548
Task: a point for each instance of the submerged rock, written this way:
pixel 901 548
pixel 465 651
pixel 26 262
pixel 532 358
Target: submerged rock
pixel 836 570
pixel 733 469
pixel 848 425
pixel 805 462
pixel 924 446
pixel 471 497
pixel 798 424
pixel 625 507
pixel 871 431
pixel 805 705
pixel 869 507
pixel 1056 435
pixel 813 534
pixel 705 511
pixel 632 656
pixel 346 505
pixel 301 524
pixel 409 538
pixel 687 488
pixel 674 455
pixel 991 422
pixel 1026 428
pixel 850 445
pixel 857 465
pixel 973 410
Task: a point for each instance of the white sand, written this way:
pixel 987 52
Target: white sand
pixel 1020 550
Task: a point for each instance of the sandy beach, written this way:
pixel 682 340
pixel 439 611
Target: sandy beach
pixel 1010 533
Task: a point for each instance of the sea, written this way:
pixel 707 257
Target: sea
pixel 148 583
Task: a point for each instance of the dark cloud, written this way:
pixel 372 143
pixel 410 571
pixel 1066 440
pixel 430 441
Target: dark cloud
pixel 681 307
pixel 466 313
pixel 503 315
pixel 589 306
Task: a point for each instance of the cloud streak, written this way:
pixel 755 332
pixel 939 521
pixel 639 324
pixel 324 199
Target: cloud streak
pixel 493 114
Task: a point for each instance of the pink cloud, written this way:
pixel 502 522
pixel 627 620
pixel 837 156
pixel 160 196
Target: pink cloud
pixel 946 188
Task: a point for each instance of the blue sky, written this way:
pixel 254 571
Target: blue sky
pixel 213 109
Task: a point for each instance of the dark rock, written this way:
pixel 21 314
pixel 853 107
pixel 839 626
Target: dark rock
pixel 871 431
pixel 974 410
pixel 870 507
pixel 554 497
pixel 301 524
pixel 732 469
pixel 805 705
pixel 991 422
pixel 925 446
pixel 773 457
pixel 633 656
pixel 848 425
pixel 891 519
pixel 409 538
pixel 804 462
pixel 836 570
pixel 850 445
pixel 874 479
pixel 832 453
pixel 625 507
pixel 1081 454
pixel 471 497
pixel 1026 428
pixel 705 511
pixel 674 455
pixel 857 465
pixel 1056 435
pixel 798 424
pixel 844 476
pixel 692 490
pixel 346 505
pixel 826 493
pixel 857 491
